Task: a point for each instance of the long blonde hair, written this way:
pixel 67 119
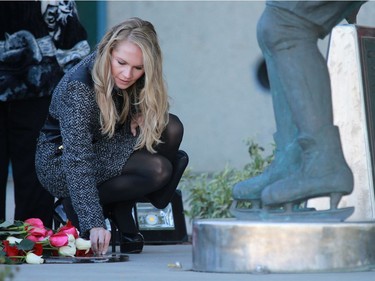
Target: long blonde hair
pixel 148 96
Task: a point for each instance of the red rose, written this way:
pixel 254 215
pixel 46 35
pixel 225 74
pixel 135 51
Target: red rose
pixel 37 231
pixel 11 251
pixel 38 249
pixel 34 222
pixel 49 232
pixel 69 229
pixel 59 239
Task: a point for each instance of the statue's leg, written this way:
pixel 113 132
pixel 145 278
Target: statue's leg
pixel 305 81
pixel 287 153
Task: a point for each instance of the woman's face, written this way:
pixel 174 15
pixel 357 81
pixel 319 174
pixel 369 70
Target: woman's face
pixel 126 64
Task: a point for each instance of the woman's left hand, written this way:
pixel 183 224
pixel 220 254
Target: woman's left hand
pixel 137 121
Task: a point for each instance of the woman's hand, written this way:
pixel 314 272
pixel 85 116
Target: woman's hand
pixel 99 238
pixel 137 121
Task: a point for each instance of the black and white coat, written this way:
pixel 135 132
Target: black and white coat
pixel 88 157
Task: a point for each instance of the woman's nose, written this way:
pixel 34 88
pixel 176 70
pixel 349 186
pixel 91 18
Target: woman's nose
pixel 127 72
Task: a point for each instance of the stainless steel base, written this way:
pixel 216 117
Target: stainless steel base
pixel 230 245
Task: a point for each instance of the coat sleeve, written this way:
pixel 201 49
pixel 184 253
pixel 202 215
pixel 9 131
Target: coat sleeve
pixel 78 115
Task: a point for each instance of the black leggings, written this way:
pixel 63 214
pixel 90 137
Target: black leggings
pixel 142 174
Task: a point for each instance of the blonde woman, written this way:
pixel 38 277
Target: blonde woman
pixel 109 138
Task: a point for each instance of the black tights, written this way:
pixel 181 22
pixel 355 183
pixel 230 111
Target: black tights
pixel 142 174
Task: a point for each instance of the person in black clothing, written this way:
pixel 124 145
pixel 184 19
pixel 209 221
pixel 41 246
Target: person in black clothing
pixel 39 42
pixel 109 139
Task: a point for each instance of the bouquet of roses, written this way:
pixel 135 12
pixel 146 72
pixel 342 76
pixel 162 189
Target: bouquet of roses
pixel 30 241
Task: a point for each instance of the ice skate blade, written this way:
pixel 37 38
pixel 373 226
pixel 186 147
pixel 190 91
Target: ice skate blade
pixel 301 215
pixel 245 214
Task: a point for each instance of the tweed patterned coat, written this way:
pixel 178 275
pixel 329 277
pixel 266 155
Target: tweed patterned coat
pixel 88 157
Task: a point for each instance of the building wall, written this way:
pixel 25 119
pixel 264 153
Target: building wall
pixel 210 61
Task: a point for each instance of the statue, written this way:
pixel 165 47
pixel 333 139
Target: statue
pixel 309 160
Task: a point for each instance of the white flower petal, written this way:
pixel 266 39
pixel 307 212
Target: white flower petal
pixel 67 251
pixel 34 259
pixel 71 238
pixel 83 244
pixel 13 240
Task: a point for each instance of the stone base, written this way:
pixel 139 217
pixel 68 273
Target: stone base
pixel 230 245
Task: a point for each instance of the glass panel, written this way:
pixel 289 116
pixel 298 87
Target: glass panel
pixel 151 218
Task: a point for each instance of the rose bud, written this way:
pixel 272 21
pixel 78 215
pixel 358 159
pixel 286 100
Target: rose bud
pixel 67 251
pixel 83 244
pixel 69 229
pixel 13 240
pixel 59 239
pixel 34 259
pixel 37 231
pixel 35 222
pixel 71 240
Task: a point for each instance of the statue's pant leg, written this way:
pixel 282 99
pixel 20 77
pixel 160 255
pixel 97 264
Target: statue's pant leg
pixel 290 43
pixel 287 153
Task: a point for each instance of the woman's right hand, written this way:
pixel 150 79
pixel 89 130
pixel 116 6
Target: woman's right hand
pixel 100 238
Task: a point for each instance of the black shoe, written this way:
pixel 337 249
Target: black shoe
pixel 131 243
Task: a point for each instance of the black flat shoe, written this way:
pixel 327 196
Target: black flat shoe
pixel 131 243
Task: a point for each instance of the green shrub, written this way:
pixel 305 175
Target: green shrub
pixel 210 195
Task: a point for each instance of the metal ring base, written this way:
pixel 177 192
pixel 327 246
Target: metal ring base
pixel 235 246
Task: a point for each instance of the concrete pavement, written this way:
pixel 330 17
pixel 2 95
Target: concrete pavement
pixel 154 263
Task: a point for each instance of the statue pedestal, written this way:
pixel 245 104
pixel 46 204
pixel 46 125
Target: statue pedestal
pixel 230 245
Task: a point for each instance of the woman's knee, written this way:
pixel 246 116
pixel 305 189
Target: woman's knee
pixel 175 128
pixel 160 170
pixel 171 138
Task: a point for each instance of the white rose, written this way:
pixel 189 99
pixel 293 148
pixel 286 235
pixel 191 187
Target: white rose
pixel 67 251
pixel 71 240
pixel 83 244
pixel 13 240
pixel 34 259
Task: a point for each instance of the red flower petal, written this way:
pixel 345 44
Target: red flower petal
pixel 49 232
pixel 82 253
pixel 35 238
pixel 37 231
pixel 58 239
pixel 38 249
pixel 69 229
pixel 35 222
pixel 11 251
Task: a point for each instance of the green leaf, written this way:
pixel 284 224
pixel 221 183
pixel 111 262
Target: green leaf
pixel 26 245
